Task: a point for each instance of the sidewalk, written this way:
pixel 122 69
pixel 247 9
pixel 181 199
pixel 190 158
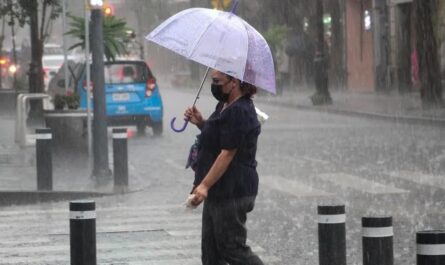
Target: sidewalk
pixel 18 175
pixel 406 107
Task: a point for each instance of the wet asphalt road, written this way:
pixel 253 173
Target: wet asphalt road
pixel 305 159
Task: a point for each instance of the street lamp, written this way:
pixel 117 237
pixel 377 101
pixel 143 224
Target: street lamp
pixel 96 4
pixel 100 139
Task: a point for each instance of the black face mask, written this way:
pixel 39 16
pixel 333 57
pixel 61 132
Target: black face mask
pixel 217 92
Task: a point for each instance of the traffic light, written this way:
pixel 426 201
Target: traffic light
pixel 108 10
pixel 221 4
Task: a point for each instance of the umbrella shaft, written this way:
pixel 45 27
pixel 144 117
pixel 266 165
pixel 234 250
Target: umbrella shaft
pixel 200 87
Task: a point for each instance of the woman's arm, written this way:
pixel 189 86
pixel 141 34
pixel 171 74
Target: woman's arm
pixel 194 116
pixel 218 168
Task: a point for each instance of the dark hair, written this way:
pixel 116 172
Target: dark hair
pixel 247 89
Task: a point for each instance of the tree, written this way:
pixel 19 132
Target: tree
pixel 115 34
pixel 336 49
pixel 426 45
pixel 50 10
pixel 2 34
pixel 28 13
pixel 322 95
pixel 9 11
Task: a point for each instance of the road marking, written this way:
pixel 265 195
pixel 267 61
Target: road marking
pixel 360 184
pixel 291 187
pixel 420 178
pixel 161 234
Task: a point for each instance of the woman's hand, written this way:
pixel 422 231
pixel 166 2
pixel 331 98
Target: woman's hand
pixel 194 116
pixel 200 192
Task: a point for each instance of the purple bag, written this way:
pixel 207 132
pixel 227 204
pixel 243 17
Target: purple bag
pixel 192 159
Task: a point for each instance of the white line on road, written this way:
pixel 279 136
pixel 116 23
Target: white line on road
pixel 420 178
pixel 359 184
pixel 161 234
pixel 291 187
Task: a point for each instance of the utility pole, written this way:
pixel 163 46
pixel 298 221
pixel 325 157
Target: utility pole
pixel 65 52
pixel 88 85
pixel 100 140
pixel 322 95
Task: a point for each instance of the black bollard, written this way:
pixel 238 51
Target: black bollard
pixel 377 240
pixel 83 232
pixel 44 163
pixel 331 235
pixel 120 158
pixel 430 247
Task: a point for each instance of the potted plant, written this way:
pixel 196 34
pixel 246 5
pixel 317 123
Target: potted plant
pixel 72 100
pixel 59 102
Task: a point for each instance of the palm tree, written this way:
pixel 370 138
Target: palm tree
pixel 115 35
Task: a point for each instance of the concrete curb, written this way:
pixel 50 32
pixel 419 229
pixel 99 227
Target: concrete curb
pixel 393 118
pixel 32 197
pixel 373 115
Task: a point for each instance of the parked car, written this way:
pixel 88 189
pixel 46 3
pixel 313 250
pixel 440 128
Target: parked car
pixel 52 59
pixel 132 94
pixel 50 65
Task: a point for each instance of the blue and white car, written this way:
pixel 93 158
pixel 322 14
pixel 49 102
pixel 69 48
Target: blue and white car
pixel 132 96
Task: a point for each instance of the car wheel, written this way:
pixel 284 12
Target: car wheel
pixel 141 128
pixel 157 128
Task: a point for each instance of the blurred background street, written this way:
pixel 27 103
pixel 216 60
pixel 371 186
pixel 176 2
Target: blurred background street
pixel 357 119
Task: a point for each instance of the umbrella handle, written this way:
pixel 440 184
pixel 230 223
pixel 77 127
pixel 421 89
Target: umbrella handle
pixel 178 130
pixel 234 6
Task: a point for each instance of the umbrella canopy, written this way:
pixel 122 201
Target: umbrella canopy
pixel 220 40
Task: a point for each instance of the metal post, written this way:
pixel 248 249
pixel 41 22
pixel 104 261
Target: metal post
pixel 65 52
pixel 430 247
pixel 377 240
pixel 88 86
pixel 331 235
pixel 120 158
pixel 44 159
pixel 83 232
pixel 100 140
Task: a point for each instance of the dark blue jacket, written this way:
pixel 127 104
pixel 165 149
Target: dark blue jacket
pixel 237 127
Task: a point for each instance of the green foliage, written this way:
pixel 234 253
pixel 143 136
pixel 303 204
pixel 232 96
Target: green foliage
pixel 59 101
pixel 50 9
pixel 71 100
pixel 275 36
pixel 115 35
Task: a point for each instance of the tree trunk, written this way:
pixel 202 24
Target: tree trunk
pixel 336 52
pixel 322 95
pixel 2 39
pixel 14 49
pixel 35 67
pixel 431 88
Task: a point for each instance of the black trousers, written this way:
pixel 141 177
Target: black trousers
pixel 224 233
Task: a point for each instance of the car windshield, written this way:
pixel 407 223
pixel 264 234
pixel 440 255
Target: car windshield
pixel 50 50
pixel 124 73
pixel 52 62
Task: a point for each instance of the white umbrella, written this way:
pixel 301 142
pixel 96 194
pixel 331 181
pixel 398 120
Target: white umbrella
pixel 219 40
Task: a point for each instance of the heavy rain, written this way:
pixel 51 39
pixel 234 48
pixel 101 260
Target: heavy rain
pixel 350 157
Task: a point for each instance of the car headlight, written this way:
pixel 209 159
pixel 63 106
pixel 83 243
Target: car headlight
pixel 12 69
